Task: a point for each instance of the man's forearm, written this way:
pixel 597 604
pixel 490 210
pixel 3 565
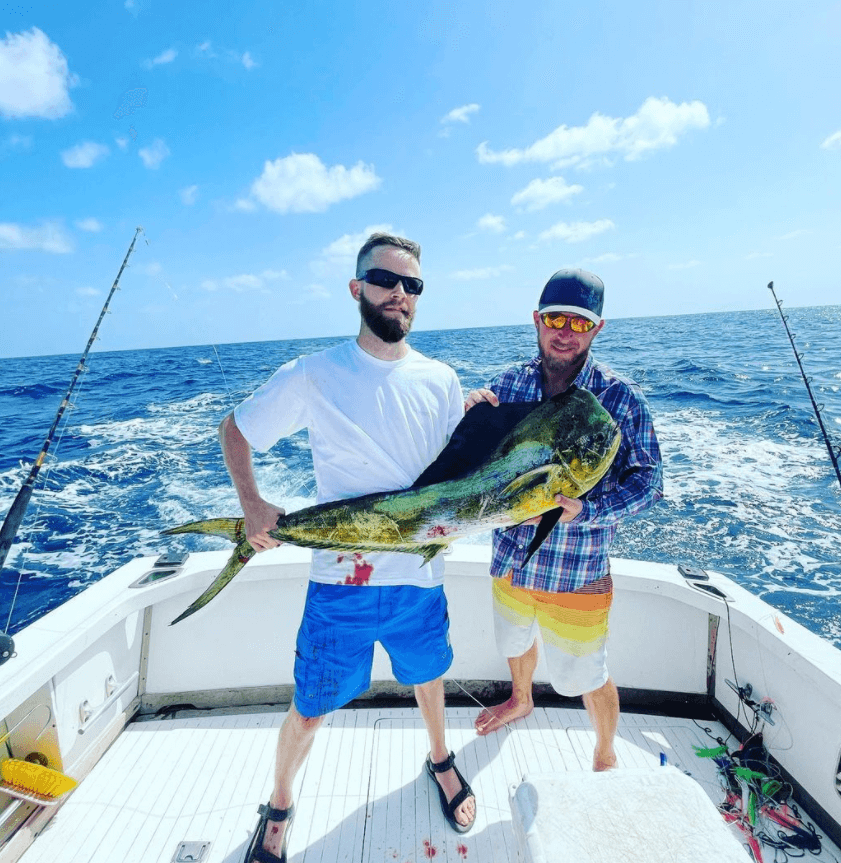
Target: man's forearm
pixel 638 492
pixel 237 453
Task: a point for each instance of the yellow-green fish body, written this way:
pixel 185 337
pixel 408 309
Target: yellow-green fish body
pixel 564 446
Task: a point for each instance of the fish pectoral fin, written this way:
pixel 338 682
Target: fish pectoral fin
pixel 532 479
pixel 232 529
pixel 544 527
pixel 242 554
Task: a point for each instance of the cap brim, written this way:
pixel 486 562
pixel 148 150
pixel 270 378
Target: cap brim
pixel 573 310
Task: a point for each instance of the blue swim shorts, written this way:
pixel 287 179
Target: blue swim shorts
pixel 335 647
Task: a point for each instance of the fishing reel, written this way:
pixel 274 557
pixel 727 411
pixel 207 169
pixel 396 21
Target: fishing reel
pixel 762 708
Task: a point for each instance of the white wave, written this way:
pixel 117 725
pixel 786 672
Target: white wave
pixel 704 454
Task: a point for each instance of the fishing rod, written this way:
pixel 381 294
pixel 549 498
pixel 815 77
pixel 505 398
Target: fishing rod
pixel 832 449
pixel 21 501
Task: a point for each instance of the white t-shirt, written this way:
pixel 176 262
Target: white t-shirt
pixel 374 425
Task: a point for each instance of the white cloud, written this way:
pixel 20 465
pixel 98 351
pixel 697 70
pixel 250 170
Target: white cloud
pixel 460 115
pixel 491 223
pixel 576 232
pixel 247 60
pixel 122 143
pixel 687 265
pixel 301 183
pixel 205 48
pixel 48 237
pixel 188 195
pixel 318 292
pixel 152 269
pixel 130 100
pixel 245 282
pixel 338 258
pixel 541 193
pixel 87 292
pixel 481 273
pixel 84 155
pixel 16 142
pixel 348 245
pixel 520 235
pixel 833 142
pixel 154 155
pixel 162 59
pixel 92 225
pixel 657 124
pixel 310 293
pixel 606 258
pixel 793 234
pixel 34 78
pixel 753 255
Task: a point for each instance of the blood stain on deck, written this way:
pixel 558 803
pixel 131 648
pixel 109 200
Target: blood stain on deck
pixel 429 849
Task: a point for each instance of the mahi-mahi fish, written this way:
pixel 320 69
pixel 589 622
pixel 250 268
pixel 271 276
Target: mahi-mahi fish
pixel 564 445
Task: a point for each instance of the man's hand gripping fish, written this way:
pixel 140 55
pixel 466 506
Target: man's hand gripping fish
pixel 501 476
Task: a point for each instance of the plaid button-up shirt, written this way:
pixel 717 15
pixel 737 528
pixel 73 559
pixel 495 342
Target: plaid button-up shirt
pixel 576 553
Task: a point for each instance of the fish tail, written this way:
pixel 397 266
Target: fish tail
pixel 242 554
pixel 228 528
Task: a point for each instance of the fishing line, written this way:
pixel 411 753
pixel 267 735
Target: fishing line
pixel 832 448
pixel 51 460
pixel 16 512
pixel 221 369
pixel 507 728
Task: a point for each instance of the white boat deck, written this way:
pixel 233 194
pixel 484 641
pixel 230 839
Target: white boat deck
pixel 362 795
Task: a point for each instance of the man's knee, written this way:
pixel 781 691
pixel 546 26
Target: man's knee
pixel 430 685
pixel 305 723
pixel 606 690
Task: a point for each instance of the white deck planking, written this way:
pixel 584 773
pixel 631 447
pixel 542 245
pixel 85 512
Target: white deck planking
pixel 362 796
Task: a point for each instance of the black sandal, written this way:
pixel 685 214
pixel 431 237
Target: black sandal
pixel 449 809
pixel 256 852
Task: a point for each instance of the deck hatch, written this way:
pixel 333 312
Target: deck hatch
pixel 166 566
pixel 191 852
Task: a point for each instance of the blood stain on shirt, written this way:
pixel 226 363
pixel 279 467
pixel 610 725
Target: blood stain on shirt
pixel 361 569
pixel 462 851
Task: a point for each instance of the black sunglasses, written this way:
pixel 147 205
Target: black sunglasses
pixel 388 280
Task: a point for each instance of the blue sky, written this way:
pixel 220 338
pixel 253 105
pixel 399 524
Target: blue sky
pixel 686 152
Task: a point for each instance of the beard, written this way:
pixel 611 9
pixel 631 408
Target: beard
pixel 556 365
pixel 389 329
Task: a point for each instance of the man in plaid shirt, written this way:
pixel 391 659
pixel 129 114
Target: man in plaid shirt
pixel 564 591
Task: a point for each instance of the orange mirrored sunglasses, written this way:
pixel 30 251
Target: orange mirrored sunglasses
pixel 558 320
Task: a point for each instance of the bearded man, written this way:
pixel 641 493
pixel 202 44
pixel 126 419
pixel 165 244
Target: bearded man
pixel 378 413
pixel 563 593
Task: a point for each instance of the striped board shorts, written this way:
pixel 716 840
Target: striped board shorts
pixel 572 626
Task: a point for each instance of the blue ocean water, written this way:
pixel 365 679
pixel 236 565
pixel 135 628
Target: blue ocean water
pixel 749 487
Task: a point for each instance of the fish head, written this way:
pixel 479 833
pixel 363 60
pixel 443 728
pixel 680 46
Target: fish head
pixel 572 436
pixel 586 441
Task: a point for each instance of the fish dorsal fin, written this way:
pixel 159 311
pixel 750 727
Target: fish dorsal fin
pixel 530 479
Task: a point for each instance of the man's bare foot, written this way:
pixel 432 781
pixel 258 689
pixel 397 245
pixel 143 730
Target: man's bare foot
pixel 451 785
pixel 493 718
pixel 603 761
